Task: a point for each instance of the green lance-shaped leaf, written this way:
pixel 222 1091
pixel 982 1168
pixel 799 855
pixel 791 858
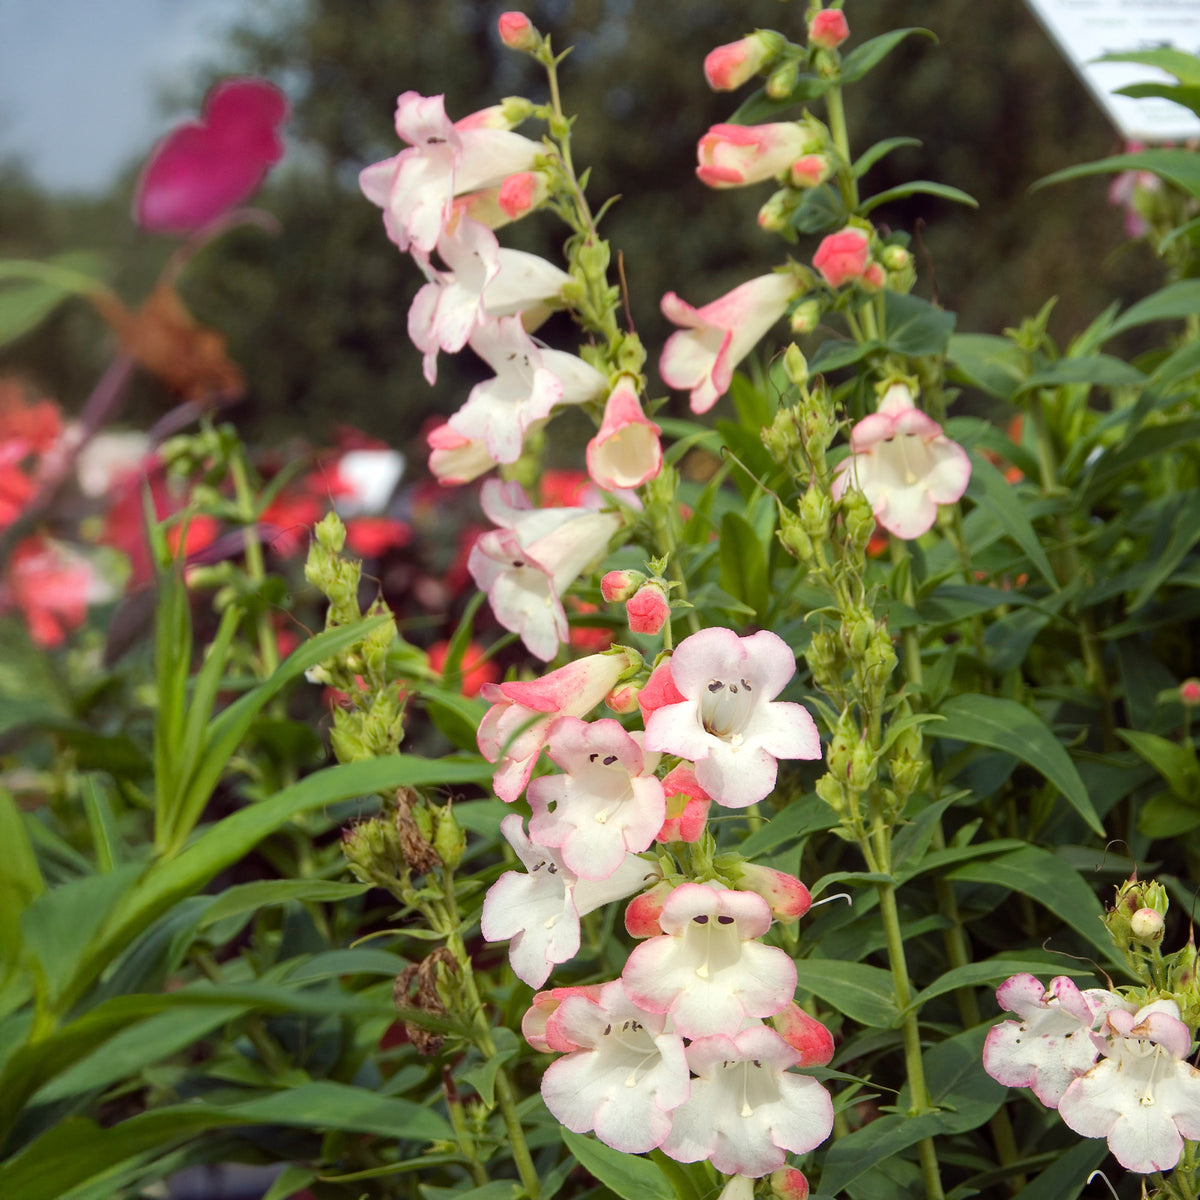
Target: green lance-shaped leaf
pixel 872 52
pixel 1180 167
pixel 918 187
pixel 627 1175
pixel 1006 725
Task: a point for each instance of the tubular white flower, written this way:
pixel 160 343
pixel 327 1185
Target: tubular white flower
pixel 627 1075
pixel 706 969
pixel 530 382
pixel 1052 1043
pixel 527 564
pixel 607 803
pixel 729 723
pixel 746 1109
pixel 540 909
pixel 1142 1096
pixel 904 464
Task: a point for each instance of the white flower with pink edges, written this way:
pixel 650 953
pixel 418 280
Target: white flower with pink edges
pixel 747 1110
pixel 530 382
pixel 1052 1042
pixel 537 911
pixel 1143 1095
pixel 605 804
pixel 626 1075
pixel 707 969
pixel 528 562
pixel 904 464
pixel 700 358
pixel 416 188
pixel 729 723
pixel 515 729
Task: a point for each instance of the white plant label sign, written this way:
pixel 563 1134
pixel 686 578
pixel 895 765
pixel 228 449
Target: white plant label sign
pixel 1084 30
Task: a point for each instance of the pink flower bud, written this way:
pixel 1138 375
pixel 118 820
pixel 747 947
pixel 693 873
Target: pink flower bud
pixel 804 1034
pixel 643 912
pixel 623 699
pixel 810 171
pixel 789 1184
pixel 617 586
pixel 648 611
pixel 1147 926
pixel 1189 692
pixel 517 31
pixel 842 257
pixel 538 1026
pixel 659 691
pixel 687 806
pixel 522 193
pixel 828 29
pixel 735 155
pixel 788 897
pixel 873 277
pixel 729 66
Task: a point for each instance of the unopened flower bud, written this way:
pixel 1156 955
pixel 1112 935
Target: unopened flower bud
pixel 648 610
pixel 1189 692
pixel 642 912
pixel 806 317
pixel 331 533
pixel 623 698
pixel 617 586
pixel 864 766
pixel 1133 897
pixel 521 193
pixel 833 792
pixel 739 1187
pixel 805 1034
pixel 516 109
pixel 782 80
pixel 825 655
pixel 788 898
pixel 810 171
pixel 1147 926
pixel 828 29
pixel 517 32
pixel 789 1184
pixel 816 509
pixel 727 67
pixel 782 437
pixel 795 365
pixel 895 258
pixel 449 840
pixel 792 536
pixel 372 851
pixel 858 517
pixel 874 277
pixel 858 627
pixel 774 215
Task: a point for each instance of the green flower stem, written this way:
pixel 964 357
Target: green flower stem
pixel 841 139
pixel 911 1033
pixel 447 916
pixel 268 648
pixel 458 1121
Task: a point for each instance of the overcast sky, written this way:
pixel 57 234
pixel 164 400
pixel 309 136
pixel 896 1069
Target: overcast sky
pixel 81 81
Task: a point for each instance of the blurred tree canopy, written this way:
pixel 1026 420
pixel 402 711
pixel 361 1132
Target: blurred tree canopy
pixel 317 315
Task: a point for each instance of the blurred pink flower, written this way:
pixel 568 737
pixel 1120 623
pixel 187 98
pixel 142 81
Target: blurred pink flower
pixel 204 168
